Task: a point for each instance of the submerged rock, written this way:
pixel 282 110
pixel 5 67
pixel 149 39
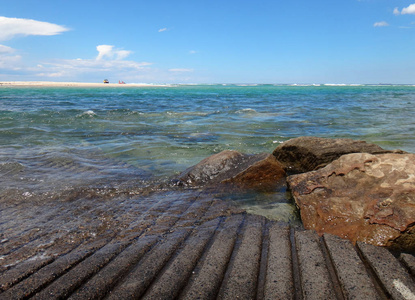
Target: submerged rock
pixel 234 167
pixel 361 197
pixel 306 153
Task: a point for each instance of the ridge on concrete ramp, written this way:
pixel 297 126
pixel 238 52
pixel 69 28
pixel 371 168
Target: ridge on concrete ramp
pixel 183 244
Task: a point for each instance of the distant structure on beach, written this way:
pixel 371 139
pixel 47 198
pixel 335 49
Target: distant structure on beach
pixel 106 81
pixel 121 82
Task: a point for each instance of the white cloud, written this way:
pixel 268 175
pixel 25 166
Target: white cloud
pixel 192 52
pixel 92 70
pixel 11 27
pixel 10 62
pixel 396 11
pixel 121 54
pixel 91 65
pixel 111 53
pixel 5 49
pixel 162 29
pixel 109 63
pixel 104 50
pixel 51 75
pixel 180 70
pixel 410 10
pixel 381 24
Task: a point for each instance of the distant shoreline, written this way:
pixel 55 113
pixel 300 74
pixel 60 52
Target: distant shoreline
pixel 101 84
pixel 71 84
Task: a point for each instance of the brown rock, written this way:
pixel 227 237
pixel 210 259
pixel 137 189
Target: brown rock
pixel 234 167
pixel 308 153
pixel 361 197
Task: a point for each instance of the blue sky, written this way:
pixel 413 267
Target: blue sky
pixel 264 41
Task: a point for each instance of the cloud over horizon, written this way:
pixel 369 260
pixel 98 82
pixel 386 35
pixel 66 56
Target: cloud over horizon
pixel 396 11
pixel 6 49
pixel 109 63
pixel 410 10
pixel 111 53
pixel 8 59
pixel 381 24
pixel 78 67
pixel 12 27
pixel 180 70
pixel 15 27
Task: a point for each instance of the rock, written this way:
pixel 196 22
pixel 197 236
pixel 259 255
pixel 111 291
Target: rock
pixel 361 197
pixel 234 167
pixel 305 154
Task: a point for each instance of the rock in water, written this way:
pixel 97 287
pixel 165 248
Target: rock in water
pixel 306 153
pixel 234 167
pixel 361 197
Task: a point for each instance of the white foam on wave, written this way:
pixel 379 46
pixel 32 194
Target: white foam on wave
pixel 27 194
pixel 246 110
pixel 343 84
pixel 335 84
pixel 88 113
pixel 305 84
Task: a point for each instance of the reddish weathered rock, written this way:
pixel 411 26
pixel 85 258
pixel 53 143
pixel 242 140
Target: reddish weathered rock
pixel 308 153
pixel 361 197
pixel 234 167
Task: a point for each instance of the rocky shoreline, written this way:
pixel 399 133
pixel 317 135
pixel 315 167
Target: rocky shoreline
pixel 190 242
pixel 352 189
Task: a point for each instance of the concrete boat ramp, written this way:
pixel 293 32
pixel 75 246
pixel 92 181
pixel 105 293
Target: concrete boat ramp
pixel 184 244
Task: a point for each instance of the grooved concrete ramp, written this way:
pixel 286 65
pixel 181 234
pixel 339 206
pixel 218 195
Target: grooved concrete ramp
pixel 182 245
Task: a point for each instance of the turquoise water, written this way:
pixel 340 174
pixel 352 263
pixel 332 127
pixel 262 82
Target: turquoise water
pixel 57 138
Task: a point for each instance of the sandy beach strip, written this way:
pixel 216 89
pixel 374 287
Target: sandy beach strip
pixel 72 84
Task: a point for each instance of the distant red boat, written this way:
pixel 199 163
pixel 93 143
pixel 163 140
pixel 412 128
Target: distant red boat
pixel 121 82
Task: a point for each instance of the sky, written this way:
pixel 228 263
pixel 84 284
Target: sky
pixel 196 41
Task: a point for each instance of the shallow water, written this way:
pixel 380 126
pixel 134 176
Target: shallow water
pixel 125 138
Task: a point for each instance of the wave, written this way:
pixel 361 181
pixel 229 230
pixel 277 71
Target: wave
pixel 88 113
pixel 8 168
pixel 246 110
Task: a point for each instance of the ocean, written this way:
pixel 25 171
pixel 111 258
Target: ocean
pixel 55 140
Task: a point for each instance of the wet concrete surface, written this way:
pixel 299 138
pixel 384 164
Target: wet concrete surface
pixel 182 244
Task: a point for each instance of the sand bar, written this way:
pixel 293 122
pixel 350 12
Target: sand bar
pixel 73 84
